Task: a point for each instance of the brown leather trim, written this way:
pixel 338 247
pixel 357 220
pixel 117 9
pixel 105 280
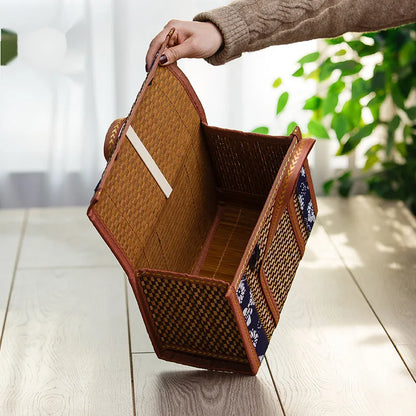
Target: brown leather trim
pixel 146 315
pixel 128 268
pixel 242 326
pixel 111 242
pixel 181 77
pixel 183 276
pixel 237 135
pixel 112 136
pixel 206 363
pixel 297 133
pixel 295 225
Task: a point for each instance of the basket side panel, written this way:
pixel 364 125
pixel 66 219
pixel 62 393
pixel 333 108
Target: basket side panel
pixel 282 260
pixel 285 253
pixel 245 162
pixel 192 316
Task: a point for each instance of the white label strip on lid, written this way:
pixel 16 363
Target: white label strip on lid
pixel 149 162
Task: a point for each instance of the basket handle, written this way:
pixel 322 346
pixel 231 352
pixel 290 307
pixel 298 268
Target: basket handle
pixel 288 182
pixel 155 61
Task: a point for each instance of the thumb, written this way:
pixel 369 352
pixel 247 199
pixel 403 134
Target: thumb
pixel 174 53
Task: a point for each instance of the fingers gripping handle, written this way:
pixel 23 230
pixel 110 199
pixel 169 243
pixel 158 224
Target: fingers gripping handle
pixel 155 61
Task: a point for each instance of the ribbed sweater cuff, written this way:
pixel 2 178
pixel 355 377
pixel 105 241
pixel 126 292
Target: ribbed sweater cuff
pixel 234 31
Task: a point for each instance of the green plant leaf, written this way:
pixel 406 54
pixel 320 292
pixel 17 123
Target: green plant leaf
pixel 282 101
pixel 397 96
pixel 360 88
pixel 277 82
pixel 9 48
pixel 370 162
pixel 374 106
pixel 312 103
pixel 407 131
pixel 349 67
pixel 313 75
pixel 334 41
pixel 354 140
pixel 374 149
pixel 329 103
pixel 363 49
pixel 352 110
pixel 340 125
pixel 261 130
pixel 378 81
pixel 311 57
pixel 405 82
pixel 391 129
pixel 337 87
pixel 402 149
pixel 394 123
pixel 407 53
pixel 345 184
pixel 290 127
pixel 411 113
pixel 325 70
pixel 356 45
pixel 341 52
pixel 317 130
pixel 327 186
pixel 299 72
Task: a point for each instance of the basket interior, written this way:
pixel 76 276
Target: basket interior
pixel 235 225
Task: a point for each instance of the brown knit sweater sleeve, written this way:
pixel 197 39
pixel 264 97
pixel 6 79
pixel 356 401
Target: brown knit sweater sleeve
pixel 249 25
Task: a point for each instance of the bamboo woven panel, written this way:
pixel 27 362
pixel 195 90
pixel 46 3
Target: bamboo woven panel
pixel 232 150
pixel 283 263
pixel 251 273
pixel 211 261
pixel 193 318
pixel 172 120
pixel 231 238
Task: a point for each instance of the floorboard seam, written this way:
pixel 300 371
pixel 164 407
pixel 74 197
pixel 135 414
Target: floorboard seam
pixel 369 304
pixel 16 262
pixel 130 349
pixel 275 386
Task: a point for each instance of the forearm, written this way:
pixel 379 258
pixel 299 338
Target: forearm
pixel 248 25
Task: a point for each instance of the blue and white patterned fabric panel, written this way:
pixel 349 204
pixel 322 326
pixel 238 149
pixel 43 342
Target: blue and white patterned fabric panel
pixel 255 329
pixel 305 200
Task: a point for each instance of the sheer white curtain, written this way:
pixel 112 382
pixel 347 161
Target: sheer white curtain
pixel 56 98
pixel 80 65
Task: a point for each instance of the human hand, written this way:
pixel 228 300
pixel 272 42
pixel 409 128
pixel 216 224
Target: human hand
pixel 190 40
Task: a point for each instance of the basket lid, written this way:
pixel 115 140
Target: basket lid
pixel 151 146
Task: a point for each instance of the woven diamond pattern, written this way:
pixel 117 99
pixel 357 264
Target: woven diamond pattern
pixel 191 317
pixel 281 265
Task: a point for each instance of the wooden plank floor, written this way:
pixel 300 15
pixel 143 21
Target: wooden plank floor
pixel 73 342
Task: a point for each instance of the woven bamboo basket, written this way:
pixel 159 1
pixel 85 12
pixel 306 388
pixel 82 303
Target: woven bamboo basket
pixel 211 241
